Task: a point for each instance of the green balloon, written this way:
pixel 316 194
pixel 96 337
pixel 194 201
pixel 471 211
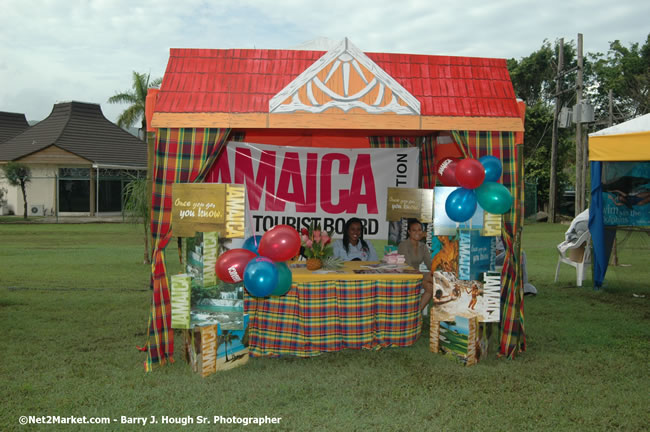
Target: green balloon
pixel 494 197
pixel 284 279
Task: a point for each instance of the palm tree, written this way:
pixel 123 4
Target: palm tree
pixel 228 337
pixel 137 97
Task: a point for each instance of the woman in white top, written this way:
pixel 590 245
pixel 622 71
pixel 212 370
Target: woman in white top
pixel 353 247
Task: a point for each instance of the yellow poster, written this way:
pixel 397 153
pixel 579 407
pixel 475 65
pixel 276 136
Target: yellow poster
pixel 409 203
pixel 206 207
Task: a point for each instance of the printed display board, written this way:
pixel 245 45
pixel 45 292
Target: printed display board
pixel 459 338
pixel 203 207
pixel 626 193
pixel 444 253
pixel 488 224
pixel 213 301
pixel 479 298
pixel 409 203
pixel 476 254
pixel 181 293
pixel 220 349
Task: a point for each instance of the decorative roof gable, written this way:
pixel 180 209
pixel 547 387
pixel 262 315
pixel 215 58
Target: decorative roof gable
pixel 344 79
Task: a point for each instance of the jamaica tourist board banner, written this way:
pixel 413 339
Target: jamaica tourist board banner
pixel 298 185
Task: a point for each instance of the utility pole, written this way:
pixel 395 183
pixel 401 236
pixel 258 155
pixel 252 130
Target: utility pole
pixel 552 190
pixel 610 121
pixel 580 153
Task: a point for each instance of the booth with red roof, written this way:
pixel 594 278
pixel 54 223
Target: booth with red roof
pixel 343 98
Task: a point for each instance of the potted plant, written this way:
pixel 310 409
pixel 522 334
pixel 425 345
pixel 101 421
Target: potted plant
pixel 317 246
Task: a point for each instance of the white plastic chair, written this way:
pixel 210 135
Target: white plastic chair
pixel 576 255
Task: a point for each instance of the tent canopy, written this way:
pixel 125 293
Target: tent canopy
pixel 629 141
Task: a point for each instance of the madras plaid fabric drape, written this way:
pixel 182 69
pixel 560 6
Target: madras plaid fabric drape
pixel 182 156
pixel 502 146
pixel 392 142
pixel 331 315
pixel 461 138
pixel 428 163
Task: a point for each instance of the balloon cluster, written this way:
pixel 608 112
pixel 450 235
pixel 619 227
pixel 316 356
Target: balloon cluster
pixel 478 180
pixel 260 263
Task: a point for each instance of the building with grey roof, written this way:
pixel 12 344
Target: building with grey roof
pixel 80 161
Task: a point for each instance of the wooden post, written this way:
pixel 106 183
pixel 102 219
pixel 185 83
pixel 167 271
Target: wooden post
pixel 552 190
pixel 610 121
pixel 93 199
pixel 580 156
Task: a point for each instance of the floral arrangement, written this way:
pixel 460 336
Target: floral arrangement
pixel 317 243
pixel 394 258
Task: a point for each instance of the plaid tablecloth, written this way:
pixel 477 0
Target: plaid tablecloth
pixel 325 313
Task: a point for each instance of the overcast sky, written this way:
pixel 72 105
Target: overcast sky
pixel 85 50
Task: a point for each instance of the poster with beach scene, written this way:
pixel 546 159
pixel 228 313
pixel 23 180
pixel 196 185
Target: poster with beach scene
pixel 479 298
pixel 232 346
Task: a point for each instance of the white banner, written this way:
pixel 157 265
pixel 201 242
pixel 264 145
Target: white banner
pixel 295 185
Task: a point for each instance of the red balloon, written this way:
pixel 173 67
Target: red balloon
pixel 280 243
pixel 231 264
pixel 446 171
pixel 470 173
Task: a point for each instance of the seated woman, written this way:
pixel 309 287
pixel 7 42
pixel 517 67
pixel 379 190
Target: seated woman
pixel 416 252
pixel 353 247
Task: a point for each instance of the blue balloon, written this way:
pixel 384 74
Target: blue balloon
pixel 493 168
pixel 252 243
pixel 260 277
pixel 461 205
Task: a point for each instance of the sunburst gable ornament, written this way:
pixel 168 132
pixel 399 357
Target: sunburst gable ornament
pixel 343 79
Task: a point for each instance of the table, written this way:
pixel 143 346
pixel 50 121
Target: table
pixel 326 312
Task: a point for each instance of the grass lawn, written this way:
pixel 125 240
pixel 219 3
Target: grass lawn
pixel 74 302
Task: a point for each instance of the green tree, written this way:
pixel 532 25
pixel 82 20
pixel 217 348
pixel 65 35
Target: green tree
pixel 533 78
pixel 625 71
pixel 18 175
pixel 137 206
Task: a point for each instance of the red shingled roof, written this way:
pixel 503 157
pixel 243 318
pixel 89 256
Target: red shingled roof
pixel 244 80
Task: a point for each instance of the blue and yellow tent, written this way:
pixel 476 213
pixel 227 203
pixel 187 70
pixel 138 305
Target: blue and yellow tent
pixel 625 142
